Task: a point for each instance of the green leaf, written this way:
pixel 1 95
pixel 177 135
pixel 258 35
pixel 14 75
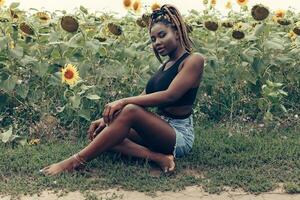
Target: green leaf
pixel 75 101
pixel 40 68
pixel 259 29
pixel 55 79
pixel 283 108
pixel 28 60
pixel 283 92
pixel 273 45
pixel 22 142
pixel 16 52
pixel 92 45
pixel 93 97
pixel 258 65
pixel 6 136
pixel 14 5
pixel 85 114
pixel 84 10
pixel 60 109
pixel 102 51
pixel 9 84
pixel 22 90
pixel 3 42
pixel 268 116
pixel 272 84
pixel 262 104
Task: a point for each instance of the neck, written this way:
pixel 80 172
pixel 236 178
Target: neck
pixel 176 53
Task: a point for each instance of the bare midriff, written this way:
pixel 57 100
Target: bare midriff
pixel 179 110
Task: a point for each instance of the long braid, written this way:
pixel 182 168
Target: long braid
pixel 170 16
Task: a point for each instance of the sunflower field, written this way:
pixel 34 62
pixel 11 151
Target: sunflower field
pixel 58 70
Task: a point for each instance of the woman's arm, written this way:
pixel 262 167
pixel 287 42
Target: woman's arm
pixel 184 80
pixel 147 100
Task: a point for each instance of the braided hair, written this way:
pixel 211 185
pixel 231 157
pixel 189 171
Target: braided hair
pixel 170 16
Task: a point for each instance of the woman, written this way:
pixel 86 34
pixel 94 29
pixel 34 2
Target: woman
pixel 128 128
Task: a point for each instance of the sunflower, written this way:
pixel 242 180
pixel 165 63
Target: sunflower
pixel 211 25
pixel 296 30
pixel 155 6
pixel 213 3
pixel 283 22
pixel 69 24
pixel 27 29
pixel 227 24
pixel 238 34
pixel 228 5
pixel 114 29
pixel 136 6
pixel 242 2
pixel 259 12
pixel 70 74
pixel 280 13
pixel 127 4
pixel 34 142
pixel 43 16
pixel 2 2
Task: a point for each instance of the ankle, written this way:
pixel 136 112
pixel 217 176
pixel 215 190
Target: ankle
pixel 79 159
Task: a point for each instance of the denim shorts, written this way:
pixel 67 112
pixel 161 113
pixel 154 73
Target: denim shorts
pixel 184 130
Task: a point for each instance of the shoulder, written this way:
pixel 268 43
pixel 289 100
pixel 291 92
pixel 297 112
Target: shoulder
pixel 195 61
pixel 196 58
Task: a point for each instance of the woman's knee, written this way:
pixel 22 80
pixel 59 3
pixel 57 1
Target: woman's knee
pixel 130 110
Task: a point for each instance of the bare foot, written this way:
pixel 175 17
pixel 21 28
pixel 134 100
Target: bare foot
pixel 167 163
pixel 67 165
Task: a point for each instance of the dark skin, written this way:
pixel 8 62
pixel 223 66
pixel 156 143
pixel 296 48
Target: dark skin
pixel 128 128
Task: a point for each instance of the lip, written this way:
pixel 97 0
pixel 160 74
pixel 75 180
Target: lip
pixel 160 50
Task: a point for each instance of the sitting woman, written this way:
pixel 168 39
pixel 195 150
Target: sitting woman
pixel 128 128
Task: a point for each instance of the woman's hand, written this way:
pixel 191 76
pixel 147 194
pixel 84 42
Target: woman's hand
pixel 112 109
pixel 95 128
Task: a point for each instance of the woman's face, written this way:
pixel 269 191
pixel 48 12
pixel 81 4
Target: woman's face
pixel 164 39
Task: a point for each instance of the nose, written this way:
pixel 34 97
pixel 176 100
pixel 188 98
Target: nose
pixel 157 43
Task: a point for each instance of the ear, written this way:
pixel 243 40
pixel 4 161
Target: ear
pixel 177 35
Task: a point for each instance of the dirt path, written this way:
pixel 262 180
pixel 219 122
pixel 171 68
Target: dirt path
pixel 190 193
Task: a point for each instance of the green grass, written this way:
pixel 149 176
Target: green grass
pixel 256 160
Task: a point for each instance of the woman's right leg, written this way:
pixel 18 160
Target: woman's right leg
pixel 134 146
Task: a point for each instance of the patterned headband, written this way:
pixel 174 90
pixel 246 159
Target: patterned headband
pixel 158 13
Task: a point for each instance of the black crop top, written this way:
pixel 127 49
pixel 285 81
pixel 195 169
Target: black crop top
pixel 162 79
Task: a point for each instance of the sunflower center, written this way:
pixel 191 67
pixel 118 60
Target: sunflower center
pixel 280 14
pixel 69 74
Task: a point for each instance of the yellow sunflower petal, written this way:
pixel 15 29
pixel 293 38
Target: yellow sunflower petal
pixel 280 13
pixel 155 6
